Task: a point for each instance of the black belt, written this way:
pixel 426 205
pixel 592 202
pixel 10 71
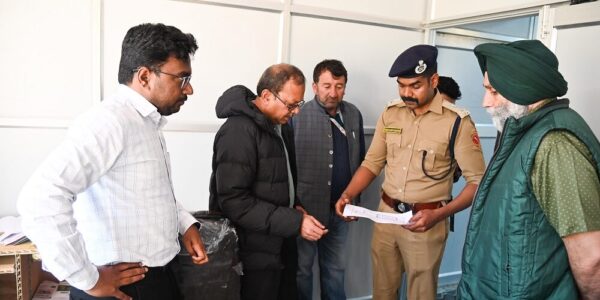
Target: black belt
pixel 158 269
pixel 402 207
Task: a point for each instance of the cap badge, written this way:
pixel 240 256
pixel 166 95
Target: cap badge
pixel 421 67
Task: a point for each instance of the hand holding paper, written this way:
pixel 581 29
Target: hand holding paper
pixel 376 216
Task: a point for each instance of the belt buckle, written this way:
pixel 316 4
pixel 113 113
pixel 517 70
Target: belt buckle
pixel 402 207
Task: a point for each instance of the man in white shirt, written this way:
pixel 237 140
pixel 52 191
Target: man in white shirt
pixel 101 208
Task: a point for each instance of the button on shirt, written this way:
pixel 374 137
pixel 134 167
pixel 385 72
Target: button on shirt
pixel 400 140
pixel 105 195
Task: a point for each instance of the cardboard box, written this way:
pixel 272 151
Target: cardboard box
pixel 20 272
pixel 50 290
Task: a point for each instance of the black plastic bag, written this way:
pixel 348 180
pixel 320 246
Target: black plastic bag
pixel 220 277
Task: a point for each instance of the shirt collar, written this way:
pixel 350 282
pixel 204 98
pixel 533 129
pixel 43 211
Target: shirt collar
pixel 142 105
pixel 542 104
pixel 436 103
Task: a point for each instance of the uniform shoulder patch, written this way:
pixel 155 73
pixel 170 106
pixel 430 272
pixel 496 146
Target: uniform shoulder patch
pixel 396 102
pixel 458 110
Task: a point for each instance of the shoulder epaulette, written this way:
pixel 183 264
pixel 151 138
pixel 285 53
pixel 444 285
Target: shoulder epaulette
pixel 458 110
pixel 397 102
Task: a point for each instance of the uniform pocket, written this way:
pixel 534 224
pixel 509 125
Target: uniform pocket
pixel 434 156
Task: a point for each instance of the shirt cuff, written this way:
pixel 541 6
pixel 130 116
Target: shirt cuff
pixel 84 279
pixel 371 167
pixel 474 179
pixel 185 221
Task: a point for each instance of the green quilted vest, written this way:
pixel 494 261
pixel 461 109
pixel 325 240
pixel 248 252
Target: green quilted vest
pixel 511 251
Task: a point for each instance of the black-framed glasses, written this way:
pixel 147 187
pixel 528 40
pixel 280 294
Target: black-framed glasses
pixel 290 107
pixel 185 80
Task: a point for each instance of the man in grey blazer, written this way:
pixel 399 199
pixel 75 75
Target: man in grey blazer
pixel 330 146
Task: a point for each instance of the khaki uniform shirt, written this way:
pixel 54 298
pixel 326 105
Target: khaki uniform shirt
pixel 400 140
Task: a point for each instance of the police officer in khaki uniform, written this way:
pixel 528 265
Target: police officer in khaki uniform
pixel 412 142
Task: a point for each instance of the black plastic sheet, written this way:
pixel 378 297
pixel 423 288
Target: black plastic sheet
pixel 220 277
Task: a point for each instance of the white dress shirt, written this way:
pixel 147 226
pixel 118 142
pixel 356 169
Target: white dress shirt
pixel 105 195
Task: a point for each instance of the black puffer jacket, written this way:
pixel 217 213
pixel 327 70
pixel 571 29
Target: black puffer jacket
pixel 249 181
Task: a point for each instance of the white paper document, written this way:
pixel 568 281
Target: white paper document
pixel 10 231
pixel 377 216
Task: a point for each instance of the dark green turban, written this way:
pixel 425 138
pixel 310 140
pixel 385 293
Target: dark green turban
pixel 524 72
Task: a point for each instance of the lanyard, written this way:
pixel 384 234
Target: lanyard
pixel 340 127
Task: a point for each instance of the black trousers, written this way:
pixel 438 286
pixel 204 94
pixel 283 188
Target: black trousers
pixel 273 284
pixel 260 284
pixel 159 284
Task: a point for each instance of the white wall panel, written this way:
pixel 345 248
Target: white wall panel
pixel 191 163
pixel 235 46
pixel 579 63
pixel 576 30
pixel 22 151
pixel 397 9
pixel 47 65
pixel 367 52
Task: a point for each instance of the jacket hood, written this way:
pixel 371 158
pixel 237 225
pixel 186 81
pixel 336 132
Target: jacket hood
pixel 235 101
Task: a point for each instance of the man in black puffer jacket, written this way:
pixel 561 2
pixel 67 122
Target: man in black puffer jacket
pixel 253 176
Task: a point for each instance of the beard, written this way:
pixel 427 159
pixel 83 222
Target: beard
pixel 325 101
pixel 501 113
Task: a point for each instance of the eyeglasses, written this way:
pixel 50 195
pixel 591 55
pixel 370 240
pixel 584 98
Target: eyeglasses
pixel 290 107
pixel 184 79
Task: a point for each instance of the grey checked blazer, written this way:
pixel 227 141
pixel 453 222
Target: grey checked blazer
pixel 314 158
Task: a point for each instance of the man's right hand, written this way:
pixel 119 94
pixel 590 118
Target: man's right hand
pixel 311 229
pixel 114 276
pixel 339 208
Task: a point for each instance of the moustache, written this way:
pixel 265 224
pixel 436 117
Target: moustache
pixel 410 99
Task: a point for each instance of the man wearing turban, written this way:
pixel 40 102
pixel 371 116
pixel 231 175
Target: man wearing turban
pixel 534 231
